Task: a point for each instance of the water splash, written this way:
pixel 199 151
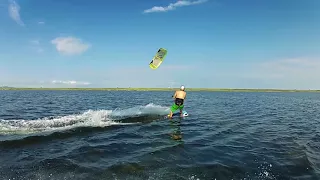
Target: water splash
pixel 89 118
pixel 149 109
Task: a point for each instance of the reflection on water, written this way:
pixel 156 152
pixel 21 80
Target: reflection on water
pixel 176 130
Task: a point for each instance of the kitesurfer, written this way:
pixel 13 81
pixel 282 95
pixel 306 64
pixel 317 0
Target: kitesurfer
pixel 178 97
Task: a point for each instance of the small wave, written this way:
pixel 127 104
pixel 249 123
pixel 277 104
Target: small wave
pixel 90 118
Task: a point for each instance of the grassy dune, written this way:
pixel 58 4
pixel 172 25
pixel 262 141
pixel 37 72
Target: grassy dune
pixel 161 89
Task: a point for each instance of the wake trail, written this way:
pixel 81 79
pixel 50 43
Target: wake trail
pixel 89 118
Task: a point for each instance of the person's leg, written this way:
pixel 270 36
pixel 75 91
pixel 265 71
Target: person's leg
pixel 173 108
pixel 181 110
pixel 171 113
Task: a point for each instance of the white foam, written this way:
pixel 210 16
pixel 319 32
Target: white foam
pixel 90 118
pixel 149 109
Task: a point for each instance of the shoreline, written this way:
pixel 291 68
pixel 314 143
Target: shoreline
pixel 161 89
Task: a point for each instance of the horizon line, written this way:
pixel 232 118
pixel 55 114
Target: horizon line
pixel 153 88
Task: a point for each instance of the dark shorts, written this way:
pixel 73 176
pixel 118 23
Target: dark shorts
pixel 178 104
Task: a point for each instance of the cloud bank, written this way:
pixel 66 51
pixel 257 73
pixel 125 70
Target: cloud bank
pixel 70 45
pixel 14 12
pixel 173 6
pixel 291 73
pixel 70 82
pixel 298 68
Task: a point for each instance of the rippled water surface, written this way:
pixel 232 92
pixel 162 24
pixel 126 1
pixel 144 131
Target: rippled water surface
pixel 125 135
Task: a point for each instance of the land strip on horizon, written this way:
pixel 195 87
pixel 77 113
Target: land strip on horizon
pixel 163 89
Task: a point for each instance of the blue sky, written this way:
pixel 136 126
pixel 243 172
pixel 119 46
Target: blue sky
pixel 210 43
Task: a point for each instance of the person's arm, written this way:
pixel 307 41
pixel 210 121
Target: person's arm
pixel 175 94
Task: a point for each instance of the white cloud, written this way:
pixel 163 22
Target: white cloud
pixel 137 76
pixel 39 50
pixel 35 45
pixel 173 6
pixel 70 82
pixel 70 45
pixel 296 67
pixel 41 22
pixel 35 42
pixel 14 12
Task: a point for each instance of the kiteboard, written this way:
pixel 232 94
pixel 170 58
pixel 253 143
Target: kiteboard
pixel 158 58
pixel 177 114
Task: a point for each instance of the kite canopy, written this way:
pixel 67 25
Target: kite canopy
pixel 158 58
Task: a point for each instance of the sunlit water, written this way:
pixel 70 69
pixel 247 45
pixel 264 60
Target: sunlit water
pixel 125 135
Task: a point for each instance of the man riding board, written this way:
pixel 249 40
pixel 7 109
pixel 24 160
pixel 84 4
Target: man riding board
pixel 178 97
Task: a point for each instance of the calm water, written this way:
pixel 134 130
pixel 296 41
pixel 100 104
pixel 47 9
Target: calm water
pixel 124 135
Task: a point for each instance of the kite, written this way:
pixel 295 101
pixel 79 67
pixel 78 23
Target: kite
pixel 158 58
